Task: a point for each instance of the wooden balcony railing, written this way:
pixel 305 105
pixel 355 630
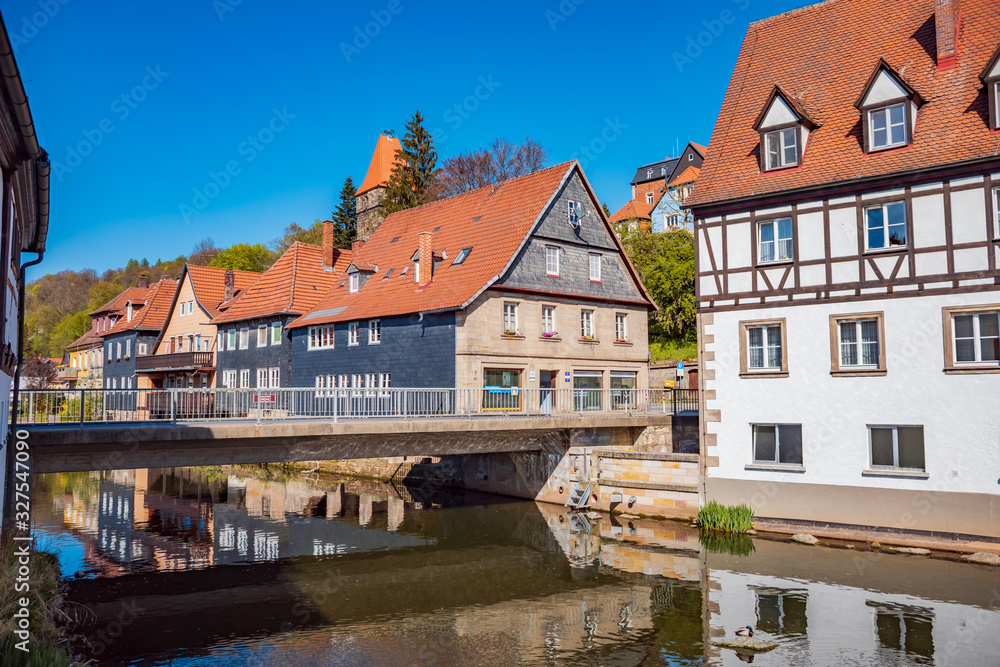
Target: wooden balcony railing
pixel 175 362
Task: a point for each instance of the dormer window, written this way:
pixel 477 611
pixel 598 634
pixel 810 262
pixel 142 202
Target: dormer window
pixel 784 132
pixel 649 173
pixel 991 79
pixel 355 282
pixel 888 109
pixel 649 197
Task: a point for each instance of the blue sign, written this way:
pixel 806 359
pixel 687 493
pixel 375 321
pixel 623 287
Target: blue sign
pixel 567 376
pixel 680 365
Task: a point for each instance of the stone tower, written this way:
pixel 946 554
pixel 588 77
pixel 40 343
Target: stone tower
pixel 372 190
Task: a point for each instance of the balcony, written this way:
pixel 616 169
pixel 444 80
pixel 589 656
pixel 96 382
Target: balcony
pixel 67 373
pixel 178 361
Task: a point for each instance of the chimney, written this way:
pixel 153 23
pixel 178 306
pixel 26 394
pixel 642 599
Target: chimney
pixel 143 282
pixel 356 246
pixel 947 22
pixel 426 258
pixel 329 253
pixel 230 285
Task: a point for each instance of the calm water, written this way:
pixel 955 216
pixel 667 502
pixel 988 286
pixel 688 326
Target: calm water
pixel 206 567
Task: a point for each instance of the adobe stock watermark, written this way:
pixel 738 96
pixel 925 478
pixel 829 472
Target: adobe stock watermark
pixel 121 107
pixel 248 149
pixel 459 112
pixel 696 44
pixel 562 12
pixel 30 25
pixel 363 35
pixel 223 7
pixel 590 151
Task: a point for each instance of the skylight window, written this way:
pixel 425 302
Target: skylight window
pixel 461 256
pixel 436 229
pixel 394 240
pixel 343 282
pixel 387 274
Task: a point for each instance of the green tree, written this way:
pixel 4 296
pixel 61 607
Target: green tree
pixel 244 257
pixel 665 263
pixel 412 177
pixel 295 232
pixel 607 211
pixel 345 218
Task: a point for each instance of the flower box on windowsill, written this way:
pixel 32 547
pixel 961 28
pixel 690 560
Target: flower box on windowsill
pixel 511 335
pixel 550 334
pixel 623 341
pixel 588 339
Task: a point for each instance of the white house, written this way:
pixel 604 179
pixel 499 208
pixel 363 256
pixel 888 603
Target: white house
pixel 848 284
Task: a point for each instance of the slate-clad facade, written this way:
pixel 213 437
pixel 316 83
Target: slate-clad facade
pixel 255 366
pixel 119 366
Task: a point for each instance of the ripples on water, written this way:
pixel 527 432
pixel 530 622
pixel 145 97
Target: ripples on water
pixel 187 567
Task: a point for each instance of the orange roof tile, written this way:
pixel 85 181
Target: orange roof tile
pixel 822 56
pixel 117 303
pixel 632 210
pixel 701 149
pixel 494 221
pixel 294 284
pixel 384 159
pixel 152 314
pixel 689 175
pixel 209 285
pixel 85 340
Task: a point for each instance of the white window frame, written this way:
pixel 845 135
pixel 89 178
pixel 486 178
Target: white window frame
pixel 649 197
pixel 118 350
pixel 357 383
pixel 244 378
pixel 977 338
pixel 511 317
pixel 244 339
pixel 229 379
pixel 573 209
pixel 274 377
pixel 783 147
pixel 587 324
pixel 895 446
pixel 183 308
pixel 858 342
pixel 231 336
pixel 275 333
pixel 765 348
pixel 262 378
pixel 353 334
pixel 142 349
pixel 885 226
pixel 374 332
pixel 321 337
pixel 345 381
pixel 595 260
pixel 621 327
pixel 549 322
pixel 384 382
pixel 888 127
pixel 782 249
pixel 552 260
pixel 996 193
pixel 354 283
pixel 262 335
pixel 777 445
pixel 190 307
pixel 128 348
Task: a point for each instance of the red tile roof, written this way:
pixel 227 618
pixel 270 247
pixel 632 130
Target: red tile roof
pixel 293 284
pixel 689 175
pixel 701 149
pixel 494 221
pixel 822 56
pixel 209 285
pixel 117 303
pixel 86 339
pixel 151 313
pixel 632 210
pixel 383 161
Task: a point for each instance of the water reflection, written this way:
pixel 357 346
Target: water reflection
pixel 193 567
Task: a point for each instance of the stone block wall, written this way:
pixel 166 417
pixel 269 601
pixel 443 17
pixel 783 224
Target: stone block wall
pixel 661 483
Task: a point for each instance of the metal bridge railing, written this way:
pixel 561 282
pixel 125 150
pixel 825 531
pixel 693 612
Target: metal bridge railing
pixel 48 406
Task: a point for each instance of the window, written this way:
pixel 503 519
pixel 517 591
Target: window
pixel 595 267
pixel 244 378
pixel 325 385
pixel 857 344
pixel 275 374
pixel 996 105
pixel 587 324
pixel 371 382
pixel 649 173
pixel 501 389
pixel 262 335
pixel 374 332
pixel 690 157
pixel 551 260
pixel 782 148
pixel 231 345
pixel 416 271
pixel 649 197
pixel 229 379
pixel 897 447
pixel 190 307
pixel 777 443
pixel 510 319
pixel 276 333
pixel 887 127
pixel 548 320
pixel 110 353
pixel 114 383
pixel 119 355
pixel 996 211
pixel 355 282
pixel 128 316
pixel 975 337
pixel 128 348
pixel 384 380
pixel 142 349
pixel 358 381
pixel 774 240
pixel 321 337
pixel 244 339
pixel 587 390
pixel 183 308
pixel 782 611
pixel 345 381
pixel 261 378
pixel 886 226
pixel 905 629
pixel 762 349
pixel 575 212
pixel 461 256
pixel 621 327
pixel 197 343
pixel 352 334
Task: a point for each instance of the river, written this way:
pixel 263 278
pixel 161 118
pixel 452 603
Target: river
pixel 258 566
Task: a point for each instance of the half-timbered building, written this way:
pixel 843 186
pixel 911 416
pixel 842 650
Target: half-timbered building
pixel 847 259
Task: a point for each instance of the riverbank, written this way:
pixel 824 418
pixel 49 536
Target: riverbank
pixel 31 578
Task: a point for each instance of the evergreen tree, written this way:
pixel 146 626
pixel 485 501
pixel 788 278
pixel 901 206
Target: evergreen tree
pixel 607 211
pixel 345 218
pixel 412 177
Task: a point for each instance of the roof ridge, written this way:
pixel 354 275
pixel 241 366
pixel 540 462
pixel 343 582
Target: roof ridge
pixel 291 287
pixel 792 12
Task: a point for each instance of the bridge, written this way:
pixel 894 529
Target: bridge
pixel 93 429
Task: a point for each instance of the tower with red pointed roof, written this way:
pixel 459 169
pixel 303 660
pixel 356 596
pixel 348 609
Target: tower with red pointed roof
pixel 372 190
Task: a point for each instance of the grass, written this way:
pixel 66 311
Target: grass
pixel 673 349
pixel 733 544
pixel 724 518
pixel 44 602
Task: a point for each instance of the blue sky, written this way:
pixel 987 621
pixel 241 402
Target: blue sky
pixel 139 104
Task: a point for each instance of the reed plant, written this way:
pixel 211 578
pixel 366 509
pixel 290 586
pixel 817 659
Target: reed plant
pixel 725 518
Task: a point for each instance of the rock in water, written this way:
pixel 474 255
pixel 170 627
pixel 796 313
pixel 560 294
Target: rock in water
pixel 916 551
pixel 982 558
pixel 804 538
pixel 593 515
pixel 747 643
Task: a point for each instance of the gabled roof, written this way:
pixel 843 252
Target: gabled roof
pixel 991 70
pixel 698 147
pixel 632 210
pixel 293 284
pixel 793 105
pixel 85 340
pixel 384 159
pixel 150 314
pixel 823 55
pixel 689 175
pixel 209 284
pixel 117 303
pixel 661 169
pixel 897 79
pixel 493 221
